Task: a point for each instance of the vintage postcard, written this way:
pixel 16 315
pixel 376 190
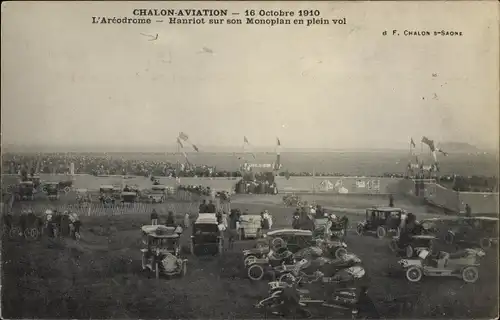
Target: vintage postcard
pixel 250 160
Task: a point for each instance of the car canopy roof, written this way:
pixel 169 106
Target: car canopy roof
pixel 290 232
pixel 129 194
pixel 386 209
pixel 206 218
pixel 158 187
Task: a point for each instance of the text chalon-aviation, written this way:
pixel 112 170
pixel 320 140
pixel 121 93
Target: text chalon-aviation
pixel 180 12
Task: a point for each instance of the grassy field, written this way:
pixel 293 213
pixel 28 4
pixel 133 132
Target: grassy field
pixel 99 277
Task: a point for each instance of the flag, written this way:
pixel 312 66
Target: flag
pixel 443 152
pixel 278 140
pixel 183 136
pixel 245 140
pixel 180 143
pixel 287 175
pixel 412 143
pixel 430 143
pixel 196 148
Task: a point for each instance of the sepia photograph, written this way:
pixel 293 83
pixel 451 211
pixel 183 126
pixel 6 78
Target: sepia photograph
pixel 250 160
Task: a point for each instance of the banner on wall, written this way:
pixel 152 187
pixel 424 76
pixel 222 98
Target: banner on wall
pixel 360 184
pixel 326 185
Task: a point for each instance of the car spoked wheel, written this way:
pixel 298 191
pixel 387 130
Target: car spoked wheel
pixel 414 274
pixel 381 232
pixel 255 272
pixel 250 260
pixel 278 243
pixel 485 243
pixel 287 278
pixel 67 189
pixel 393 245
pixel 340 253
pixel 409 251
pixel 470 274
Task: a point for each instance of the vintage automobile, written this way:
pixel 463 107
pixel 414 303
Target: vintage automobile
pixel 129 197
pixel 276 262
pixel 381 220
pixel 37 181
pixel 482 231
pixel 25 191
pixel 207 234
pixel 65 185
pixel 463 264
pixel 52 190
pixel 413 245
pixel 341 300
pixel 108 194
pixel 249 226
pixel 294 239
pixel 162 254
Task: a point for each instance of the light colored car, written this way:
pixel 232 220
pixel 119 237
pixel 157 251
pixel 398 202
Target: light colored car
pixel 463 264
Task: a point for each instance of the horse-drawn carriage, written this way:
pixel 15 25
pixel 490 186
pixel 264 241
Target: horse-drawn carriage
pixel 162 254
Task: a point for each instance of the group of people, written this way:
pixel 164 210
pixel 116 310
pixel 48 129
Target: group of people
pixel 53 223
pixel 256 187
pixel 169 220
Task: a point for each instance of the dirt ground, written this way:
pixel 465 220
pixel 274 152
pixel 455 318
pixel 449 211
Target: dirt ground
pixel 100 277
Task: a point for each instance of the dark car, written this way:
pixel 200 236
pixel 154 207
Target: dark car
pixel 381 220
pixel 482 231
pixel 206 234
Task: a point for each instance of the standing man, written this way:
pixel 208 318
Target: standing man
pixel 154 218
pixel 391 201
pixel 203 206
pixel 468 210
pixel 211 207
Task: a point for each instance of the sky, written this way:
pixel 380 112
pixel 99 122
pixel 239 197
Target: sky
pixel 66 81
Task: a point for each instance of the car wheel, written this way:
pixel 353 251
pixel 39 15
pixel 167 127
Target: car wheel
pixel 67 189
pixel 255 272
pixel 409 251
pixel 287 278
pixel 249 260
pixel 485 243
pixel 340 252
pixel 393 245
pixel 470 274
pixel 449 238
pixel 278 243
pixel 414 274
pixel 359 230
pixel 381 232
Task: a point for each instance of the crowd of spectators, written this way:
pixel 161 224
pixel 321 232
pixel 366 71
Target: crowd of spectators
pixel 59 163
